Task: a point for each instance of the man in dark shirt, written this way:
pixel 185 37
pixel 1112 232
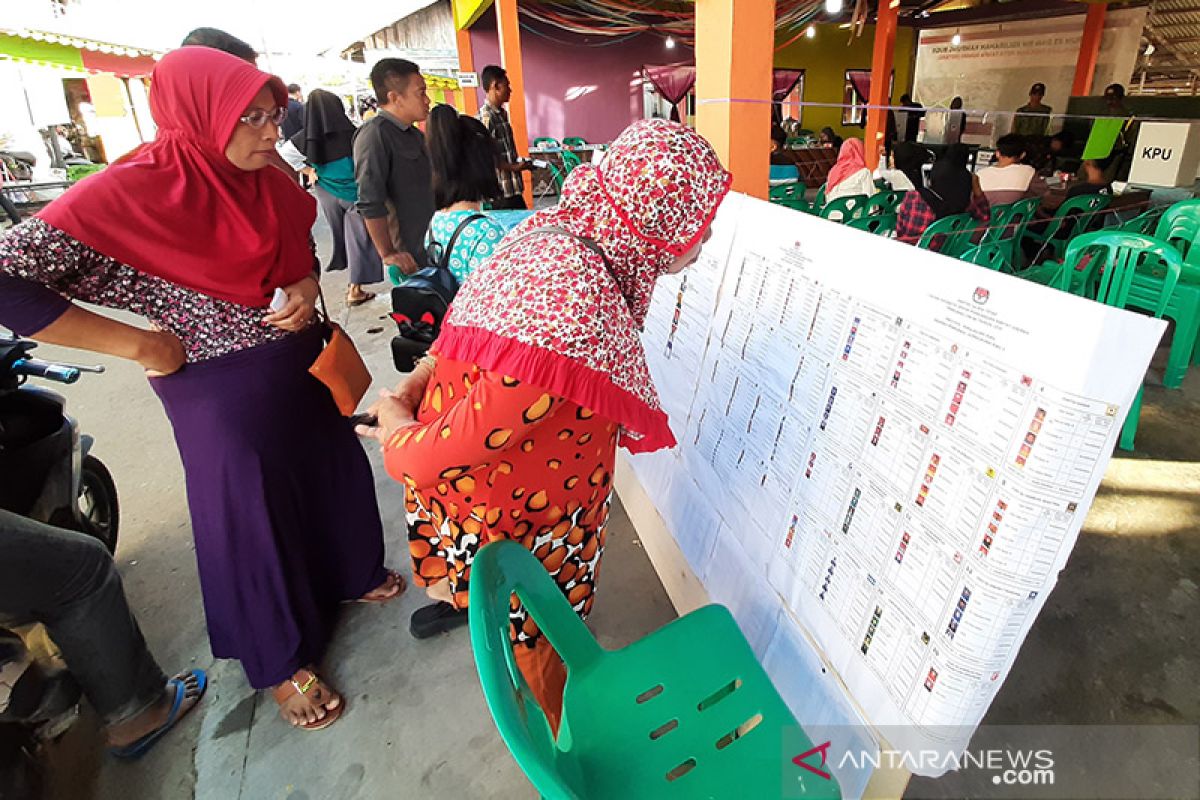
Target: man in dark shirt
pixel 391 166
pixel 493 116
pixel 911 114
pixel 295 116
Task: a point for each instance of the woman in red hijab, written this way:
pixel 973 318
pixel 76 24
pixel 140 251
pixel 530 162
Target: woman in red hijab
pixel 850 175
pixel 539 374
pixel 194 232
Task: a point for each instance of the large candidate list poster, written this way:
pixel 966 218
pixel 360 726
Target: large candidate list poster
pixel 887 449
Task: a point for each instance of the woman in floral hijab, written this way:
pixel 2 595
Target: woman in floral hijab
pixel 539 374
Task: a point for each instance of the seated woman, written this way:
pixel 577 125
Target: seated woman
pixel 462 154
pixel 850 175
pixel 829 139
pixel 538 375
pixel 951 189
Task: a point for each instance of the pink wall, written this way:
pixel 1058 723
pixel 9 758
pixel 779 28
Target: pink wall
pixel 575 90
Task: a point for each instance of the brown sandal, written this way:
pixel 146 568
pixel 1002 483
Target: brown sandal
pixel 358 298
pixel 303 682
pixel 396 580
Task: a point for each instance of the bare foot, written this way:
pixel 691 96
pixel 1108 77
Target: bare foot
pixel 307 699
pixel 153 718
pixel 392 587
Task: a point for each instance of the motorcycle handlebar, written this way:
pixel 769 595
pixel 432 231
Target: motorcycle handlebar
pixel 44 369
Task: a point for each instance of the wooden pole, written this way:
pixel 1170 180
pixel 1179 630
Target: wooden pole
pixel 466 63
pixel 882 58
pixel 1089 49
pixel 735 48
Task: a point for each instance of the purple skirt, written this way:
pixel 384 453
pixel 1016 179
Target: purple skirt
pixel 282 502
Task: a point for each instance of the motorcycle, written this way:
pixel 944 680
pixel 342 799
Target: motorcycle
pixel 49 473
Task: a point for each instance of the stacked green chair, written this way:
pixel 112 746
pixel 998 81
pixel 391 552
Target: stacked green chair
pixel 1075 216
pixel 1180 225
pixel 1007 227
pixel 885 202
pixel 574 141
pixel 879 224
pixel 684 713
pixel 955 231
pixel 1146 222
pixel 844 209
pixel 546 143
pixel 1115 260
pixel 790 195
pixel 994 256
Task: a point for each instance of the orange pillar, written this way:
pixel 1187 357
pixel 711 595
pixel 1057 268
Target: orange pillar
pixel 466 63
pixel 510 58
pixel 1089 49
pixel 882 57
pixel 735 47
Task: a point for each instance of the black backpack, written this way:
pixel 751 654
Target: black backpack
pixel 421 302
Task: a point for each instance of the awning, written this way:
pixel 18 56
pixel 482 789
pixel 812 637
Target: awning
pixel 73 53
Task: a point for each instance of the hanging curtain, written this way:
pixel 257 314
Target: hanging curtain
pixel 860 79
pixel 783 81
pixel 673 83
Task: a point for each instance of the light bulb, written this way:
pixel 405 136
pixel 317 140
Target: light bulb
pixel 833 6
pixel 956 40
pixel 670 42
pixel 811 32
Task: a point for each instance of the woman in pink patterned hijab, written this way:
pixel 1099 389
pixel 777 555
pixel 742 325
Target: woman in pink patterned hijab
pixel 511 432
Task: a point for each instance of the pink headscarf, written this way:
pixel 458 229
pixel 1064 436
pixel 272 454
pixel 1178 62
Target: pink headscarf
pixel 851 158
pixel 547 310
pixel 177 208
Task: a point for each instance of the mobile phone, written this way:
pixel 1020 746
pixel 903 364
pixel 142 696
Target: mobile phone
pixel 278 300
pixel 370 420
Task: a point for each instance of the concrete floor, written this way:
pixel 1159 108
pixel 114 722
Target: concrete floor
pixel 1116 642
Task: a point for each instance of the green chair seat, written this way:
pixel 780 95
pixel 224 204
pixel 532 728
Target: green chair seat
pixel 684 713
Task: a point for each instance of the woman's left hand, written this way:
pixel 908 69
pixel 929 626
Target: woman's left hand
pixel 300 308
pixel 391 413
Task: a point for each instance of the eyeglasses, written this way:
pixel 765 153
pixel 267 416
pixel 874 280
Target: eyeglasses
pixel 259 117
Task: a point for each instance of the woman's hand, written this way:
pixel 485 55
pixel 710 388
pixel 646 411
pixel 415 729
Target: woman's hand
pixel 391 413
pixel 411 391
pixel 160 353
pixel 300 308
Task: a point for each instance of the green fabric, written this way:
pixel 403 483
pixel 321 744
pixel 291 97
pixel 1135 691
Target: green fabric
pixel 337 178
pixel 1102 138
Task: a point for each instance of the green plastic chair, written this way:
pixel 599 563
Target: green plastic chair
pixel 1007 227
pixel 955 231
pixel 1146 222
pixel 993 256
pixel 1075 216
pixel 884 202
pixel 1180 225
pixel 686 712
pixel 1116 259
pixel 574 141
pixel 844 209
pixel 879 224
pixel 559 173
pixel 790 195
pixel 818 202
pixel 547 142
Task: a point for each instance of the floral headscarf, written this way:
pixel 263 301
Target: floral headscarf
pixel 547 309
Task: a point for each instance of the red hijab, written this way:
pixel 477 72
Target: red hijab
pixel 851 158
pixel 177 208
pixel 548 311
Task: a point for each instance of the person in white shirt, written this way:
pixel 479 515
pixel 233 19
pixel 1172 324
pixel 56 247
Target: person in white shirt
pixel 1010 180
pixel 850 174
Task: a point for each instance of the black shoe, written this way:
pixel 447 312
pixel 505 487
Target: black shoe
pixel 434 619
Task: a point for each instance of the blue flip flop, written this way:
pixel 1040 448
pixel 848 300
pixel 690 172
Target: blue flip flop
pixel 142 746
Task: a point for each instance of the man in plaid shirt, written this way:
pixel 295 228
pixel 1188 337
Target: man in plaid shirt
pixel 508 166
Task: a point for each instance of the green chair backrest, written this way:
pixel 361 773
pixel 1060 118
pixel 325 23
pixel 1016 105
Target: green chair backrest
pixel 570 161
pixel 790 195
pixel 997 223
pixel 1145 222
pixel 819 202
pixel 880 224
pixel 1077 215
pixel 844 209
pixel 1180 225
pixel 574 141
pixel 546 141
pixel 955 231
pixel 1112 259
pixel 884 202
pixel 993 256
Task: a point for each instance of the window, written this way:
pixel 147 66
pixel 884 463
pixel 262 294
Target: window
pixel 792 106
pixel 855 91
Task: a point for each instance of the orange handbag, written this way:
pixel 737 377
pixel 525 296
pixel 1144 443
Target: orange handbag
pixel 340 367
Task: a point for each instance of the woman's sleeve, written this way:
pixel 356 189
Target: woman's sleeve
pixel 497 413
pixel 979 208
pixel 56 263
pixel 906 231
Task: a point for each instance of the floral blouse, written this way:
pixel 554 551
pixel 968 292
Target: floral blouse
pixel 41 267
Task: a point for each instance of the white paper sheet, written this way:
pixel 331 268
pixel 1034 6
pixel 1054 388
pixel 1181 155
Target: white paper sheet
pixel 900 448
